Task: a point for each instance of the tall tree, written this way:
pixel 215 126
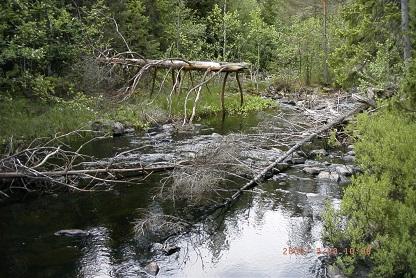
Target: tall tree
pixel 325 42
pixel 407 47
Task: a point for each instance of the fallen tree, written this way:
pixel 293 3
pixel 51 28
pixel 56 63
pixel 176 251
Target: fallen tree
pixel 127 60
pixel 49 167
pixel 178 64
pixel 82 173
pixel 262 175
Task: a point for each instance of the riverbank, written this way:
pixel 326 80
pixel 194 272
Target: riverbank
pixel 23 118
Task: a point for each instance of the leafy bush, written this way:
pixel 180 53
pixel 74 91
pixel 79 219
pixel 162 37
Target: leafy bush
pixel 380 206
pixel 28 119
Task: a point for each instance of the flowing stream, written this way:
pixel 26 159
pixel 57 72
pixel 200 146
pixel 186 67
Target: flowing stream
pixel 250 240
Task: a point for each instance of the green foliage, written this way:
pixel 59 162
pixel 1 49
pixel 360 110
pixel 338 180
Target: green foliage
pixel 21 118
pixel 130 114
pixel 40 42
pixel 216 22
pixel 407 99
pixel 380 205
pixel 210 104
pixel 261 41
pixel 367 49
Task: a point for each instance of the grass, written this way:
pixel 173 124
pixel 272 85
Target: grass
pixel 23 118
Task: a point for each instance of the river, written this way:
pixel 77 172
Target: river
pixel 251 239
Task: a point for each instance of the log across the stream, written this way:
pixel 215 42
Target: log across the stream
pixel 63 173
pixel 183 65
pixel 261 176
pixel 179 64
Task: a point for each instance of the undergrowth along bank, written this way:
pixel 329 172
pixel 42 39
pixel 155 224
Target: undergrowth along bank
pixel 23 118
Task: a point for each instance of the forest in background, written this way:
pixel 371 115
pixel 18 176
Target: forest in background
pixel 48 50
pixel 50 82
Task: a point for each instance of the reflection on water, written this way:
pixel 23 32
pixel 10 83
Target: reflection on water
pixel 247 241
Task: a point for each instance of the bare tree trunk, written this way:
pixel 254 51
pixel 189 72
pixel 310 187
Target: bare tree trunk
pixel 224 48
pixel 326 73
pixel 407 47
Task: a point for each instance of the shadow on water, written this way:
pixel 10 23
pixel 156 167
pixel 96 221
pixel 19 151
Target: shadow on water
pixel 249 240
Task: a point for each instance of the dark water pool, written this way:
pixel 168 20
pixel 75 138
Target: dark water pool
pixel 249 240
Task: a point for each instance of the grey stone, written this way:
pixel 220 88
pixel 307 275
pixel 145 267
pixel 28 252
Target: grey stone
pixel 156 157
pixel 152 268
pixel 352 153
pixel 295 159
pixel 168 128
pixel 129 130
pixel 170 249
pixel 312 170
pixel 348 158
pixel 118 129
pixel 157 247
pixel 345 170
pixel 317 153
pixel 72 233
pixel 350 147
pixel 329 176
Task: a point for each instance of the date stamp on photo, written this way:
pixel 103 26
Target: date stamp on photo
pixel 329 251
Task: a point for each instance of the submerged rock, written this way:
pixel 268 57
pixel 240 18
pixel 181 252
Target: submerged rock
pixel 349 158
pixel 171 249
pixel 72 233
pixel 352 153
pixel 312 170
pixel 152 268
pixel 118 129
pixel 318 153
pixel 345 170
pixel 329 176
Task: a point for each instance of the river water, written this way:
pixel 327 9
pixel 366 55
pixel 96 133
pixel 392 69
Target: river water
pixel 249 240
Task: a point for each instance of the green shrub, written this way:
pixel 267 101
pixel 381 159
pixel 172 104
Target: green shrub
pixel 380 206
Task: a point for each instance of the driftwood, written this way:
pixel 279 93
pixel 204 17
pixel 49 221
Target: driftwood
pixel 135 171
pixel 172 65
pixel 178 64
pixel 261 176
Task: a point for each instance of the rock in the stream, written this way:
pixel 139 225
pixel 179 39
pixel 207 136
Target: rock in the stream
pixel 157 248
pixel 152 268
pixel 345 170
pixel 129 130
pixel 329 176
pixel 312 170
pixel 295 159
pixel 318 153
pixel 352 153
pixel 171 249
pixel 349 158
pixel 288 101
pixel 168 128
pixel 72 233
pixel 118 129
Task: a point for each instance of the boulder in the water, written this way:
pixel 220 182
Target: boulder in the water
pixel 152 268
pixel 329 176
pixel 345 170
pixel 349 158
pixel 118 129
pixel 318 153
pixel 72 233
pixel 170 249
pixel 312 170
